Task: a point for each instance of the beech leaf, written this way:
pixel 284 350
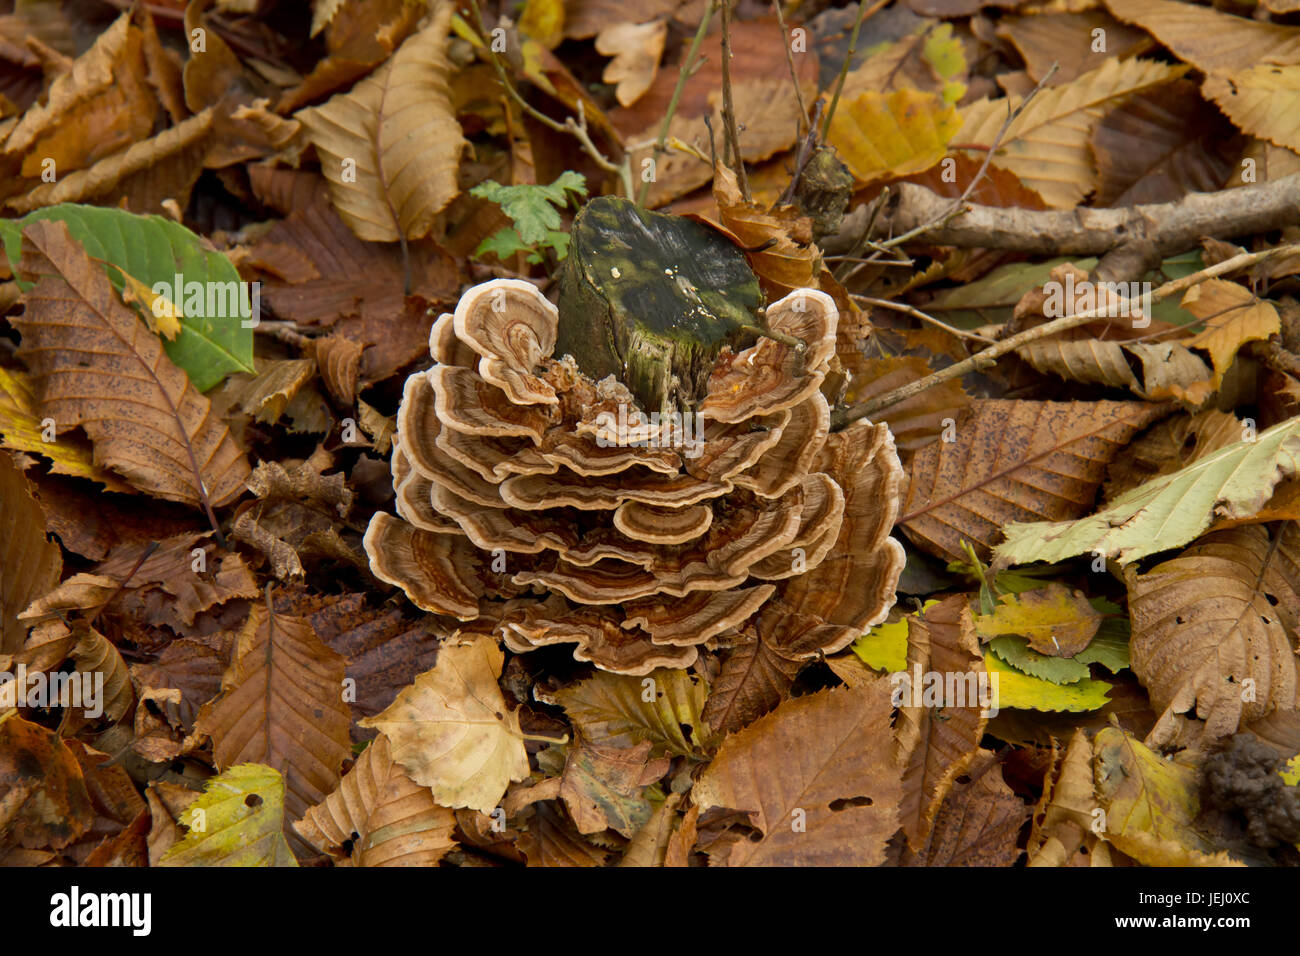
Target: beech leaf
pixel 1168 511
pixel 834 800
pixel 391 145
pixel 94 364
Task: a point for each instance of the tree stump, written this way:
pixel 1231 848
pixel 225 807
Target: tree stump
pixel 652 300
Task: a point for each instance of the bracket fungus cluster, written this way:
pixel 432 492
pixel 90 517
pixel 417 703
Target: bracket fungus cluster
pixel 545 507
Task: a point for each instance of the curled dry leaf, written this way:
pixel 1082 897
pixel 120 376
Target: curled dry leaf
pixel 1211 629
pixel 452 731
pixel 94 364
pixel 934 748
pixel 1064 831
pixel 379 816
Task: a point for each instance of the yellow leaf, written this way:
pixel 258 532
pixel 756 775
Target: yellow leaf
pixel 1048 146
pixel 238 821
pixel 160 313
pixel 1012 688
pixel 543 20
pixel 1263 100
pixel 1150 804
pixel 23 429
pixel 1232 316
pixel 882 136
pixel 1057 621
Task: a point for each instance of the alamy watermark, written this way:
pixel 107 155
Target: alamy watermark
pixel 1110 300
pixel 83 689
pixel 680 431
pixel 223 300
pixel 938 690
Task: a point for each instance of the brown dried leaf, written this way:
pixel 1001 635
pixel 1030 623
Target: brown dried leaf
pixel 282 706
pixel 379 817
pixel 1014 461
pixel 755 677
pixel 399 129
pixel 94 364
pixel 603 786
pixel 1162 144
pixel 30 564
pixel 835 799
pixel 1211 629
pixel 1066 820
pixel 43 798
pixel 636 49
pixel 917 421
pixel 934 745
pixel 979 822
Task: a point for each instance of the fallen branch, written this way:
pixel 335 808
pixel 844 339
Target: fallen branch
pixel 986 358
pixel 1131 239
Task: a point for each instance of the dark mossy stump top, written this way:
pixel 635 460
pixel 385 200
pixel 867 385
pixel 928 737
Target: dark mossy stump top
pixel 652 300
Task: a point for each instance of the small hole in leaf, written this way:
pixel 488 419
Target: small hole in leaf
pixel 252 800
pixel 845 802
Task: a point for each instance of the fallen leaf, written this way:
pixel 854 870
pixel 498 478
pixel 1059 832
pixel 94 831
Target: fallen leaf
pixel 835 800
pixel 452 731
pixel 94 364
pixel 391 145
pixel 236 821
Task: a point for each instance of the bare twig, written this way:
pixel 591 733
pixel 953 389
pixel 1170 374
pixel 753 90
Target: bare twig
pixel 804 121
pixel 729 106
pixel 986 358
pixel 578 130
pixel 688 67
pixel 918 314
pixel 863 13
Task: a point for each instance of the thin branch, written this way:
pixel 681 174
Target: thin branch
pixel 918 314
pixel 864 12
pixel 688 67
pixel 804 121
pixel 959 203
pixel 578 130
pixel 729 106
pixel 986 358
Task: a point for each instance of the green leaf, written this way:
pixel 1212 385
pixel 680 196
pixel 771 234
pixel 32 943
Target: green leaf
pixel 1022 692
pixel 237 821
pixel 1016 651
pixel 1109 647
pixel 154 250
pixel 503 244
pixel 1169 511
pixel 946 55
pixel 533 209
